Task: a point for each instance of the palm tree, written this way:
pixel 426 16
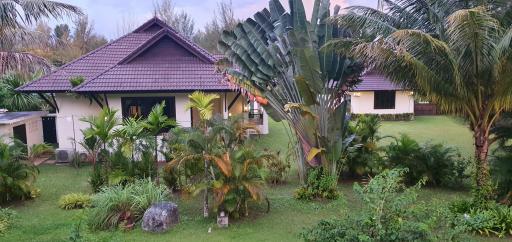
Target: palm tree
pixel 277 56
pixel 467 72
pixel 102 126
pixel 203 103
pixel 15 101
pixel 16 16
pixel 131 130
pixel 154 124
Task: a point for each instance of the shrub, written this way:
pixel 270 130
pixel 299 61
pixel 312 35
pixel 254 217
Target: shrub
pixel 40 150
pixel 98 178
pixel 439 164
pixel 16 177
pixel 7 217
pixel 319 186
pixel 364 155
pixel 277 169
pixel 116 205
pixel 495 220
pixel 389 117
pixel 390 213
pixel 75 201
pixel 501 170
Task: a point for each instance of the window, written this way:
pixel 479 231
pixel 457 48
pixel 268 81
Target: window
pixel 140 107
pixel 384 100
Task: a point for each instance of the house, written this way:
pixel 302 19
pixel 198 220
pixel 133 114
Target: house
pixel 24 126
pixel 150 65
pixel 377 95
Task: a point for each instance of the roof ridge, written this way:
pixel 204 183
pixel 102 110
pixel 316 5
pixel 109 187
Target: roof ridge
pixel 181 40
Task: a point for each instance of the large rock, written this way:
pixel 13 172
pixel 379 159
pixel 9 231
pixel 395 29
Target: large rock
pixel 160 217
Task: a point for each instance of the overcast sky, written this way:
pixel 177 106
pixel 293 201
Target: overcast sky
pixel 107 15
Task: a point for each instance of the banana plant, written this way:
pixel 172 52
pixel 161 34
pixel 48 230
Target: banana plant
pixel 277 56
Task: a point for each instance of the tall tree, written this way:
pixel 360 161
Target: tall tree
pixel 464 66
pixel 16 17
pixel 278 57
pixel 84 38
pixel 180 21
pixel 224 19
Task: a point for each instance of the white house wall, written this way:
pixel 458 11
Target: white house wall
pixel 72 109
pixel 363 103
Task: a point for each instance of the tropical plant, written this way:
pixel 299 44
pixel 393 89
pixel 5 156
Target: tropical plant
pixel 130 132
pixel 276 57
pixel 459 62
pixel 390 212
pixel 438 164
pixel 117 205
pixel 16 17
pixel 493 220
pixel 40 150
pixel 365 155
pixel 16 177
pixel 155 123
pixel 278 168
pixel 75 201
pixel 203 103
pixel 91 144
pixel 7 217
pixel 233 131
pixel 320 185
pixel 101 126
pixel 16 101
pixel 240 180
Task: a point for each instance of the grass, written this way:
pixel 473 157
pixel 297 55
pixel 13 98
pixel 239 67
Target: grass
pixel 41 219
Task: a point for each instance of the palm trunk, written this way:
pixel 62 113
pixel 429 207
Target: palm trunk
pixel 157 178
pixel 205 203
pixel 481 136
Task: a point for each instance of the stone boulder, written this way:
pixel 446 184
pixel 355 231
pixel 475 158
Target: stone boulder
pixel 160 217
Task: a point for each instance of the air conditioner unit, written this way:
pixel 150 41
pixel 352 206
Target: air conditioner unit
pixel 64 155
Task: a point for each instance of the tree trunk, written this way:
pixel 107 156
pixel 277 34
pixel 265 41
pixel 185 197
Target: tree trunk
pixel 205 203
pixel 481 136
pixel 157 178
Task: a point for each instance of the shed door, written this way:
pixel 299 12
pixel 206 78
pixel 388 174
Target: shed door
pixel 20 133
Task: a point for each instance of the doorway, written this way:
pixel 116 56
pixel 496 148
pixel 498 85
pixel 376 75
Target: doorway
pixel 20 133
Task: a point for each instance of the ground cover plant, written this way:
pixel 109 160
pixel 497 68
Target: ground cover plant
pixel 75 201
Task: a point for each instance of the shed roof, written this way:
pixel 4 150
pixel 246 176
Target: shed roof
pixel 152 58
pixel 14 117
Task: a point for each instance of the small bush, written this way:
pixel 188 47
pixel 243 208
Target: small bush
pixel 115 206
pixel 319 186
pixel 75 201
pixel 277 170
pixel 390 213
pixel 7 217
pixel 440 165
pixel 98 178
pixel 493 221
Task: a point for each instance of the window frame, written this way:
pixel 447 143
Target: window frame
pixel 382 99
pixel 170 105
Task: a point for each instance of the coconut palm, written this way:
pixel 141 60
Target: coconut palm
pixel 203 103
pixel 16 16
pixel 15 101
pixel 467 73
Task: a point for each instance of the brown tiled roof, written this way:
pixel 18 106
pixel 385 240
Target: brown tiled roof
pixel 376 82
pixel 152 58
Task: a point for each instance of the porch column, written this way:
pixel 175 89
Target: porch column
pixel 225 111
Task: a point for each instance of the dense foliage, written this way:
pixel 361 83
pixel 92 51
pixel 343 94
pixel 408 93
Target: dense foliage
pixel 75 201
pixel 116 206
pixel 320 185
pixel 17 177
pixel 390 212
pixel 438 164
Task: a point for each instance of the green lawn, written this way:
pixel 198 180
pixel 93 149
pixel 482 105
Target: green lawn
pixel 41 219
